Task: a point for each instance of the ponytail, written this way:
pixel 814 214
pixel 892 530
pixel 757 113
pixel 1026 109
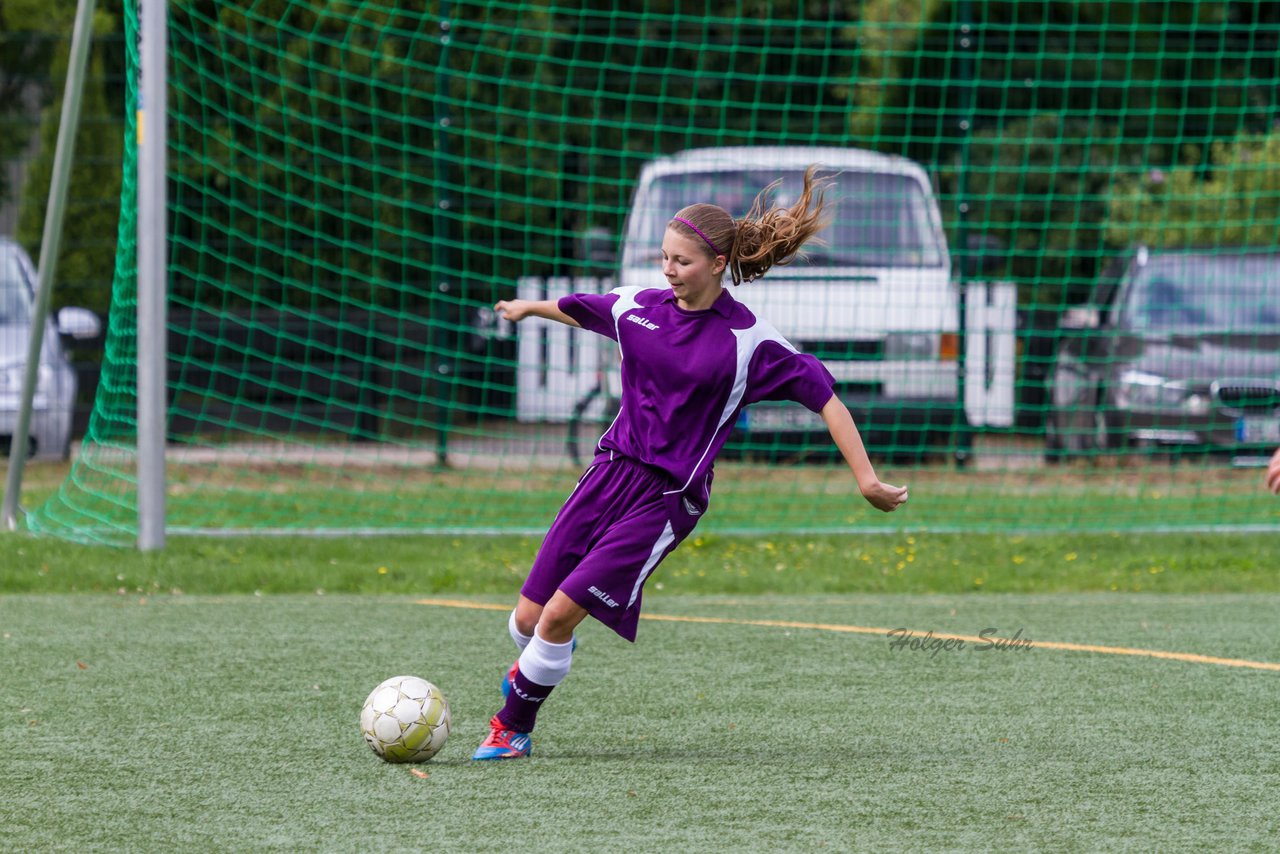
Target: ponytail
pixel 765 237
pixel 773 236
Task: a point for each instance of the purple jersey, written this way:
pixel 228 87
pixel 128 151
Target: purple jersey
pixel 687 374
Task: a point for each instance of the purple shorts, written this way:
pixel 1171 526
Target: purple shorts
pixel 608 538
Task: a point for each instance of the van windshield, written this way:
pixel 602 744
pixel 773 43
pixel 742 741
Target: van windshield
pixel 15 300
pixel 880 220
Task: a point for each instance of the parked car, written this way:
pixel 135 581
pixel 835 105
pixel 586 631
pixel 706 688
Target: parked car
pixel 54 402
pixel 1183 353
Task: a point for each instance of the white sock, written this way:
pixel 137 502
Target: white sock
pixel 546 663
pixel 522 640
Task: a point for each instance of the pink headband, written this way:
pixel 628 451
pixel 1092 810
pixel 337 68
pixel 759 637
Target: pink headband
pixel 698 231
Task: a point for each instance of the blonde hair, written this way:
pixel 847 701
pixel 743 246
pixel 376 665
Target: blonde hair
pixel 767 236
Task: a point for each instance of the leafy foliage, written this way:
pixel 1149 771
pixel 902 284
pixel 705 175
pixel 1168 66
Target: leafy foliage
pixel 1033 114
pixel 1235 202
pixel 86 261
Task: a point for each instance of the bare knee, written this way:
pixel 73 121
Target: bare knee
pixel 561 616
pixel 528 613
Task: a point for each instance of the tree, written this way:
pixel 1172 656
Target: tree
pixel 1031 122
pixel 86 261
pixel 24 61
pixel 318 138
pixel 1039 185
pixel 1234 203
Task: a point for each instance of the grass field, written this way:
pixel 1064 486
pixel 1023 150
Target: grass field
pixel 205 697
pixel 704 564
pixel 229 723
pixel 225 492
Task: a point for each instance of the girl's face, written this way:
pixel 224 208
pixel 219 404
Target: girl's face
pixel 694 275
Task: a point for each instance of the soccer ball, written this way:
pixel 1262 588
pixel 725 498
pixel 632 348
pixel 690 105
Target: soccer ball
pixel 405 719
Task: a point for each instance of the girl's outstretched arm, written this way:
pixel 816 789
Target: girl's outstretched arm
pixel 881 495
pixel 517 310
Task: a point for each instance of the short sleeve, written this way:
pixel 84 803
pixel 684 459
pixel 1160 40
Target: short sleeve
pixel 777 372
pixel 594 312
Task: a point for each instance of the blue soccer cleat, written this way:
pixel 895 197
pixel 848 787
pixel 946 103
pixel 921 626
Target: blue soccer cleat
pixel 506 680
pixel 503 743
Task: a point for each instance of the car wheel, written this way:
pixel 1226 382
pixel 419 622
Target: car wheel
pixel 1078 432
pixel 1101 430
pixel 1061 441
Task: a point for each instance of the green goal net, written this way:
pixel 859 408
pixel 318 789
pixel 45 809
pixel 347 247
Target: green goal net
pixel 1050 294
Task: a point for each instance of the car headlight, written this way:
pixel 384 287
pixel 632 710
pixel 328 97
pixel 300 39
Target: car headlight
pixel 1141 390
pixel 911 346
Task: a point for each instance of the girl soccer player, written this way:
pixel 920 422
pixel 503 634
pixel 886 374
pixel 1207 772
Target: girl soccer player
pixel 692 358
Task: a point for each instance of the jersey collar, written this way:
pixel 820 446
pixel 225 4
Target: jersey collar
pixel 723 305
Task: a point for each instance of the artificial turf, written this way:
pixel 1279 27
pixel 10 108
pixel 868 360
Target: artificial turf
pixel 163 722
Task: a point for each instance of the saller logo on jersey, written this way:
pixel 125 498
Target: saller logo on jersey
pixel 602 596
pixel 640 320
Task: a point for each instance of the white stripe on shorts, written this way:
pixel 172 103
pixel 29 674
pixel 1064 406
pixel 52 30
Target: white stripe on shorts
pixel 666 539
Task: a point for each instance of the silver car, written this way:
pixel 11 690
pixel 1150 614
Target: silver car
pixel 55 396
pixel 1184 354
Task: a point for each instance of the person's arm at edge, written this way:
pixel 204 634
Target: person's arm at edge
pixel 839 422
pixel 517 310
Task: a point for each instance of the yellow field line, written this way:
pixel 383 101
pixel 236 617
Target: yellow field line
pixel 1191 657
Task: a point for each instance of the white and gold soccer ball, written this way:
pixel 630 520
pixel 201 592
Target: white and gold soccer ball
pixel 405 719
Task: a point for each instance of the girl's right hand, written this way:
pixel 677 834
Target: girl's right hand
pixel 514 310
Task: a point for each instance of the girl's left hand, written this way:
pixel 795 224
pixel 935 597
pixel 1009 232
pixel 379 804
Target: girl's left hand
pixel 884 496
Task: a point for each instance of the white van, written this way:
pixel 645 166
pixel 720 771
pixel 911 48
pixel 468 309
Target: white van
pixel 876 303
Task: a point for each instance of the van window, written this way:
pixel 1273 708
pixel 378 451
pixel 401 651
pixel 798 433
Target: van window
pixel 880 220
pixel 15 300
